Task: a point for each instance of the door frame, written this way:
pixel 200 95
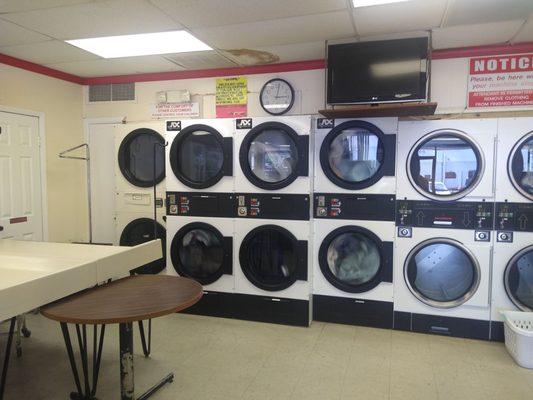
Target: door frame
pixel 42 144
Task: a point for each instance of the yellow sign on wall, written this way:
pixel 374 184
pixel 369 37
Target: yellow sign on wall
pixel 231 97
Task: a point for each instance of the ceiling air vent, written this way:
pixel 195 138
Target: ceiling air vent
pixel 112 92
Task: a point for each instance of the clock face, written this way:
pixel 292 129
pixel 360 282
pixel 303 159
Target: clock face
pixel 277 96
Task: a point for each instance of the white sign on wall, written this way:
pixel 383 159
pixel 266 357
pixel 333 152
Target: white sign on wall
pixel 171 110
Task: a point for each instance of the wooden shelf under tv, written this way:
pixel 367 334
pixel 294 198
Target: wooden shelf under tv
pixel 381 110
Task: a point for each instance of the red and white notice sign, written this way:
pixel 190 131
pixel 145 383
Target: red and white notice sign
pixel 501 81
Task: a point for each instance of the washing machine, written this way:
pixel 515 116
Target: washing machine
pixel 272 249
pixel 273 154
pixel 353 259
pixel 200 233
pixel 200 155
pixel 355 155
pixel 446 160
pixel 442 272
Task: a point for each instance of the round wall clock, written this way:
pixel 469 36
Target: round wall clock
pixel 277 96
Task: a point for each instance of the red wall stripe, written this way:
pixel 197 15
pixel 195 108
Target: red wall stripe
pixel 40 69
pixel 476 51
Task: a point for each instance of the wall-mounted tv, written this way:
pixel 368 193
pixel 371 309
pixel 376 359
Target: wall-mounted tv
pixel 377 71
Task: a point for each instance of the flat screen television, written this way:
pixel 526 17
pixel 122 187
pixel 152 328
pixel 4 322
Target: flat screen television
pixel 377 71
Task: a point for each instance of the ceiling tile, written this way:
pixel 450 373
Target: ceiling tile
pixel 307 28
pixel 399 17
pixel 117 66
pixel 526 33
pixel 283 53
pixel 475 35
pixel 11 34
pixel 102 18
pixel 52 51
pixel 7 6
pixel 200 60
pixel 209 13
pixel 464 12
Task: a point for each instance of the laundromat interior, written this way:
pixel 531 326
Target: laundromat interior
pixel 266 200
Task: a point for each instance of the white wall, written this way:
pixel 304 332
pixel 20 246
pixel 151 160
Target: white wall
pixel 61 102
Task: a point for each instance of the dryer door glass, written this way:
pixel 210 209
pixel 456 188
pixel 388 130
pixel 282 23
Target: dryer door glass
pixel 519 279
pixel 355 155
pixel 446 166
pixel 273 156
pixel 442 274
pixel 521 167
pixel 140 231
pixel 269 258
pixel 353 259
pixel 198 252
pixel 200 156
pixel 136 157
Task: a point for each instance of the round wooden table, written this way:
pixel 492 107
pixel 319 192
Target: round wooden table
pixel 128 300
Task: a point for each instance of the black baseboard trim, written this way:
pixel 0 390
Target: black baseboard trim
pixel 441 325
pixel 497 331
pixel 343 310
pixel 213 304
pixel 271 309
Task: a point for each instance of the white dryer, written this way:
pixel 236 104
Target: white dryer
pixel 200 155
pixel 512 275
pixel 353 259
pixel 442 276
pixel 272 250
pixel 515 155
pixel 355 155
pixel 200 246
pixel 446 160
pixel 272 154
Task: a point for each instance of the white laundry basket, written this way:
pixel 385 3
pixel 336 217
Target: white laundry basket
pixel 519 336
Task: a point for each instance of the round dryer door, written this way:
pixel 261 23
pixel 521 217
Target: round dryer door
pixel 136 157
pixel 352 258
pixel 199 251
pixel 445 165
pixel 271 257
pixel 141 230
pixel 272 155
pixel 518 279
pixel 352 155
pixel 521 166
pixel 199 156
pixel 442 273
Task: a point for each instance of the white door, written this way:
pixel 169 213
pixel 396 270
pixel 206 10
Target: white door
pixel 21 213
pixel 102 152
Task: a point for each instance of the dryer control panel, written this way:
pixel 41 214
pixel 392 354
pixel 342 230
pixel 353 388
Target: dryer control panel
pixel 457 215
pixel 272 206
pixel 514 217
pixel 197 204
pixel 365 207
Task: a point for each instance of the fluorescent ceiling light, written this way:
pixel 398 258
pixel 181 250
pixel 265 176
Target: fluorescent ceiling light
pixel 141 45
pixel 366 3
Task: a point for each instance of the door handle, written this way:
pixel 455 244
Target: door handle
pixel 1 228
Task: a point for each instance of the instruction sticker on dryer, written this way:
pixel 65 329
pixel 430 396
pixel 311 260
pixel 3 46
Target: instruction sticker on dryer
pixel 501 81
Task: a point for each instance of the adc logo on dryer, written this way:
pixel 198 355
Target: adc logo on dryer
pixel 243 123
pixel 173 125
pixel 325 123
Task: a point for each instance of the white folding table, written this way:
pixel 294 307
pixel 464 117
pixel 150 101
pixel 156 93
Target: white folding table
pixel 33 274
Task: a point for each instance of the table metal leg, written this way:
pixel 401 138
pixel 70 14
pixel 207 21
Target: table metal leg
pixel 88 391
pixel 146 347
pixel 127 385
pixel 6 356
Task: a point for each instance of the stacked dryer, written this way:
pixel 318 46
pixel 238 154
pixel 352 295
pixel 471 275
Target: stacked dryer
pixel 444 219
pixel 353 206
pixel 272 228
pixel 140 164
pixel 200 209
pixel 512 278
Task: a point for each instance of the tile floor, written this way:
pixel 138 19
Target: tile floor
pixel 227 359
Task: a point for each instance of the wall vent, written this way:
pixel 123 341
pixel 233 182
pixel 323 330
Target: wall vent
pixel 112 92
